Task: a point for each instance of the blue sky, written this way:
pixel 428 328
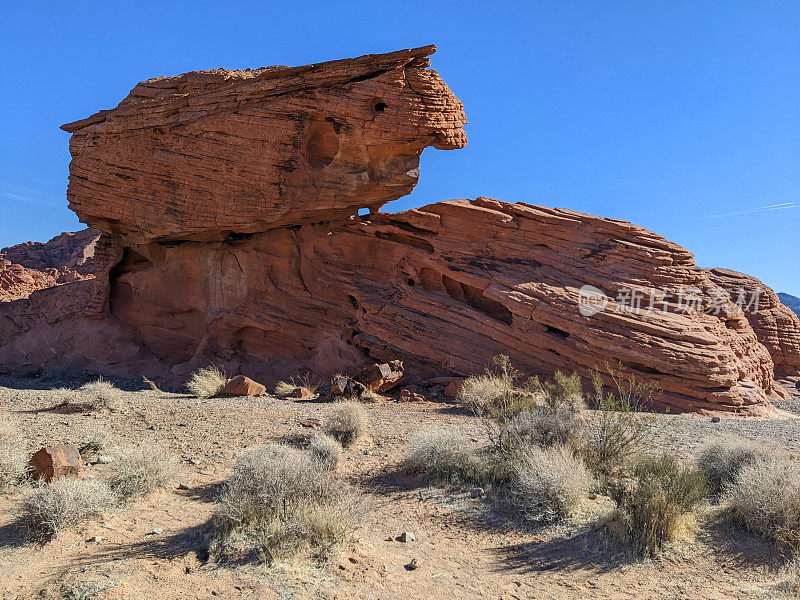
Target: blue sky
pixel 683 117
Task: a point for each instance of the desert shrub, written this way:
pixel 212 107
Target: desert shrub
pixel 346 422
pixel 443 455
pixel 141 470
pixel 655 501
pixel 765 498
pixel 13 457
pixel 622 430
pixel 207 382
pixel 325 451
pixel 93 439
pixel 722 460
pixel 548 484
pixel 64 504
pixel 96 395
pixel 546 426
pixel 284 388
pixel 498 394
pixel 307 380
pixel 280 504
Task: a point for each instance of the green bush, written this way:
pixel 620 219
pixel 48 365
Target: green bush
pixel 654 501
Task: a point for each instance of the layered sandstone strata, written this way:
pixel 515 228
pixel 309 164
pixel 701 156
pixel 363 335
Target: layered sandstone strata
pixel 210 154
pixel 227 202
pixel 776 325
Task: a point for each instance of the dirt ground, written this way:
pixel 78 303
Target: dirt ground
pixel 154 548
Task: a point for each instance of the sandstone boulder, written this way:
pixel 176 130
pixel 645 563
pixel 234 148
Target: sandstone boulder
pixel 243 386
pixel 341 385
pixel 56 460
pixel 220 154
pixel 381 377
pixel 301 393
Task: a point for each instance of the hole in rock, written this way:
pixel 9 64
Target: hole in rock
pixel 362 212
pixel 322 145
pixel 379 106
pixel 557 331
pixel 467 294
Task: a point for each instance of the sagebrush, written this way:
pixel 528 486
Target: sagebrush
pixel 279 504
pixel 765 498
pixel 325 451
pixel 141 470
pixel 346 422
pixel 722 460
pixel 548 484
pixel 64 504
pixel 13 456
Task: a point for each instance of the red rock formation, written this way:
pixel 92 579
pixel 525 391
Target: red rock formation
pixel 227 238
pixel 28 267
pixel 54 461
pixel 775 325
pixel 210 153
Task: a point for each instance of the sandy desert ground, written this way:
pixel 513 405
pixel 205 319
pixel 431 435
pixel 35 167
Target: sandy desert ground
pixel 156 547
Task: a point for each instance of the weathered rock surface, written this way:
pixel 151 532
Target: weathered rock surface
pixel 56 460
pixel 226 205
pixel 32 266
pixel 243 386
pixel 211 154
pixel 381 377
pixel 776 325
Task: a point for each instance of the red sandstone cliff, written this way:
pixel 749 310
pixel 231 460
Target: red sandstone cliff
pixel 227 198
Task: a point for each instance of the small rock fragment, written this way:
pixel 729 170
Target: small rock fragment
pixel 476 492
pixel 407 536
pixel 95 539
pixel 715 419
pixel 413 565
pixel 302 393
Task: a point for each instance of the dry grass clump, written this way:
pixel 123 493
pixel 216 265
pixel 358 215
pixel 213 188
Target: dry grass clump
pixel 96 395
pixel 765 498
pixel 308 380
pixel 207 382
pixel 64 504
pixel 13 457
pixel 346 422
pixel 325 451
pixel 722 460
pixel 656 502
pixel 141 470
pixel 548 484
pixel 279 504
pixel 498 395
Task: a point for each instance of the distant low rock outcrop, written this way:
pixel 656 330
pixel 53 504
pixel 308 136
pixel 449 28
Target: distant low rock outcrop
pixel 228 201
pixel 32 266
pixel 791 302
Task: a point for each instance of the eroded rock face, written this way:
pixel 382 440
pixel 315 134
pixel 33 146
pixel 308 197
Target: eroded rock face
pixel 210 154
pixel 226 206
pixel 776 326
